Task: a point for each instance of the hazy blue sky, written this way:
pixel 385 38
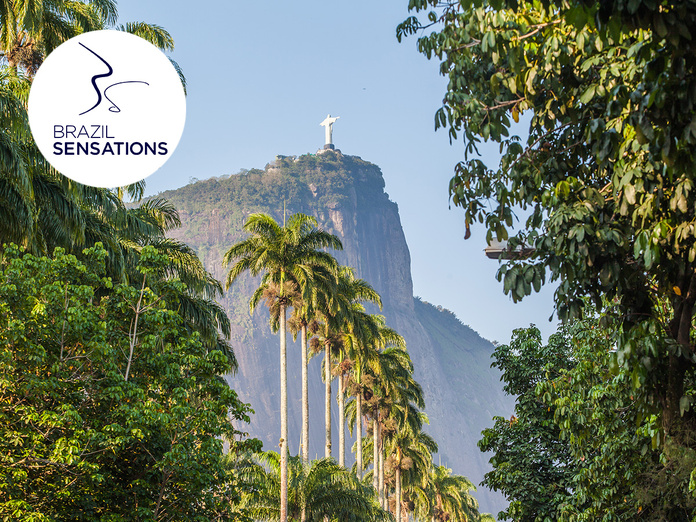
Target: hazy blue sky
pixel 263 75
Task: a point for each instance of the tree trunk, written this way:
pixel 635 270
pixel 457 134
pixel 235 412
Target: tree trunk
pixel 305 398
pixel 327 399
pixel 283 418
pixel 375 454
pixel 680 330
pixel 341 420
pixel 397 479
pixel 382 495
pixel 358 429
pixel 133 335
pixel 671 412
pixel 305 407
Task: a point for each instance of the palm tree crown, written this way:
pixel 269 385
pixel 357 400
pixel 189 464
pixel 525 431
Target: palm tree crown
pixel 322 490
pixel 280 252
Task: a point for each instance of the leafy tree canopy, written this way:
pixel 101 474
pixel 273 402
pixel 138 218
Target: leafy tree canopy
pixel 531 467
pixel 579 447
pixel 110 408
pixel 606 174
pixel 617 473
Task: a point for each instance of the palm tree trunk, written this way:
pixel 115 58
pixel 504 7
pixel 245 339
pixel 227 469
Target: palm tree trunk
pixel 375 455
pixel 341 425
pixel 305 407
pixel 397 493
pixel 327 399
pixel 283 418
pixel 382 494
pixel 358 429
pixel 305 398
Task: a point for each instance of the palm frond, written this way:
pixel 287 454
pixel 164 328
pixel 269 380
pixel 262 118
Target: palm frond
pixel 180 73
pixel 155 34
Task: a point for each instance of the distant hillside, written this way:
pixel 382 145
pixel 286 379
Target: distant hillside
pixel 347 196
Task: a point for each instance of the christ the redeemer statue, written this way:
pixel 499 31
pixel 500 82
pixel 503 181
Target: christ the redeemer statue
pixel 328 126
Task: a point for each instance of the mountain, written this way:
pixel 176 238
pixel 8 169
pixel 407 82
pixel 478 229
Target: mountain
pixel 346 195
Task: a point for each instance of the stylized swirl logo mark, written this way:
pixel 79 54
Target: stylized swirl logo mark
pixel 114 107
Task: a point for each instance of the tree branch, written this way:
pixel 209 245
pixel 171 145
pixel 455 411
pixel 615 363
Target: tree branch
pixel 134 334
pixel 537 28
pixel 536 142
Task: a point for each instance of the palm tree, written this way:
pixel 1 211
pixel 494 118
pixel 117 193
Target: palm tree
pixel 410 457
pixel 15 178
pixel 446 497
pixel 283 254
pixel 328 339
pixel 366 358
pixel 394 387
pixel 299 324
pixel 29 31
pixel 337 314
pixel 322 490
pixel 360 328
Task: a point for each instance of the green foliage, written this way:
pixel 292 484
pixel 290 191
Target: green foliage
pixel 580 446
pixel 572 173
pixel 618 475
pixel 530 465
pixel 445 496
pixel 110 409
pixel 321 488
pixel 606 174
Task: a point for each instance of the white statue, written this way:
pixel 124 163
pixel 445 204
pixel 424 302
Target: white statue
pixel 328 127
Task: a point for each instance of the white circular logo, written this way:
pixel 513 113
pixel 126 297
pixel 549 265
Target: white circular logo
pixel 107 108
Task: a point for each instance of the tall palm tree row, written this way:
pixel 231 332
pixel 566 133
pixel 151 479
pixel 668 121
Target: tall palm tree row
pixel 398 448
pixel 368 350
pixel 337 317
pixel 371 361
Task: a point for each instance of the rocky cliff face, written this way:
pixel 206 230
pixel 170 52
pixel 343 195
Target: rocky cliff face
pixel 347 196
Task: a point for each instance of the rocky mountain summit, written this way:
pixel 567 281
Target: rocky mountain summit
pixel 346 195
